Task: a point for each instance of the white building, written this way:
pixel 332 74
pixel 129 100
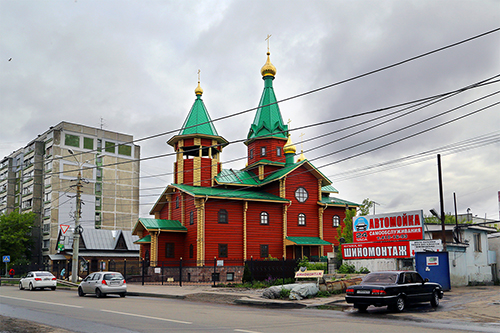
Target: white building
pixel 40 178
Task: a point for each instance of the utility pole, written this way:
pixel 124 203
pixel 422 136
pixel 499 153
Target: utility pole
pixel 441 200
pixel 76 231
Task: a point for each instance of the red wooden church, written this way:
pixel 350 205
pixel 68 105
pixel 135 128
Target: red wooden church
pixel 276 206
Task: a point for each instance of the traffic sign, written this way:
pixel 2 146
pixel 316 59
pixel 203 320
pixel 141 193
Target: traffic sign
pixel 64 228
pixel 6 258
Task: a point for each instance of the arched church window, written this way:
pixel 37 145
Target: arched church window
pixel 264 218
pixel 336 221
pixel 302 219
pixel 223 216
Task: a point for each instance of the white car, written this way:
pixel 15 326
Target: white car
pixel 103 283
pixel 38 280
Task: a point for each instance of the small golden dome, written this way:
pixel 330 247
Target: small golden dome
pixel 268 69
pixel 301 157
pixel 198 90
pixel 289 148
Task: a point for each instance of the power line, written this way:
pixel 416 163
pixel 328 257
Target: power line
pixel 317 89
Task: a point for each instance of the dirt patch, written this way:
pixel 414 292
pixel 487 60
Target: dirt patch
pixel 14 325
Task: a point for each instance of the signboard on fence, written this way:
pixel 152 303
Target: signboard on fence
pixel 384 250
pixel 403 226
pixel 309 274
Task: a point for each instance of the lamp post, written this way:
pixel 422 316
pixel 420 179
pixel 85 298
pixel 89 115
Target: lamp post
pixel 76 232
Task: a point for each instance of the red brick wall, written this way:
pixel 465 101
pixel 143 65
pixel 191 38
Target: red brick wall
pixel 258 234
pixel 299 178
pixel 172 237
pixel 218 233
pixel 329 232
pixel 271 145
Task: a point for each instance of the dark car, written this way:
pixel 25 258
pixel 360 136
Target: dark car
pixel 396 289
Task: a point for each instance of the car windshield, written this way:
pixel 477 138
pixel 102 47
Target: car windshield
pixel 113 276
pixel 43 274
pixel 380 278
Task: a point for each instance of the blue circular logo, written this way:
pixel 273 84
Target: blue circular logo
pixel 361 224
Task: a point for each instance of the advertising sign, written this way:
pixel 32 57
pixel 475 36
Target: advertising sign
pixel 384 250
pixel 426 245
pixel 389 227
pixel 376 250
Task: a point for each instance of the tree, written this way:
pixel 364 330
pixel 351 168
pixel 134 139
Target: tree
pixel 364 209
pixel 15 235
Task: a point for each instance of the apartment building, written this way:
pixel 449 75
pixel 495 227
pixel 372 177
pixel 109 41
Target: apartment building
pixel 41 177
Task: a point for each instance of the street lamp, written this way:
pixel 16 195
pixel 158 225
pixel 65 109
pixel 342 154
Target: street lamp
pixel 76 232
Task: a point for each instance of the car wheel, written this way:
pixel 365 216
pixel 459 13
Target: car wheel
pixel 31 287
pixel 52 288
pixel 98 293
pixel 435 299
pixel 80 292
pixel 400 304
pixel 21 286
pixel 361 308
pixel 122 294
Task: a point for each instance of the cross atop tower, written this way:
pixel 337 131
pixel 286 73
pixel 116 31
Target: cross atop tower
pixel 268 37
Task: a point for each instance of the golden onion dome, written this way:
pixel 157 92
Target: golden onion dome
pixel 301 157
pixel 198 90
pixel 268 69
pixel 289 148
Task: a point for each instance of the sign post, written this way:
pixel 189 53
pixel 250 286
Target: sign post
pixel 6 259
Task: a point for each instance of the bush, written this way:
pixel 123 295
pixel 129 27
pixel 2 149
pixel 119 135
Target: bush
pixel 318 266
pixel 364 270
pixel 347 269
pixel 247 275
pixel 284 293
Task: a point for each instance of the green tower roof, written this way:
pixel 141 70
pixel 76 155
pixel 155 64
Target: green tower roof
pixel 268 121
pixel 198 120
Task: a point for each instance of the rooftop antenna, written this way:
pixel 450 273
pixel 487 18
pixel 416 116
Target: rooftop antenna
pixel 102 123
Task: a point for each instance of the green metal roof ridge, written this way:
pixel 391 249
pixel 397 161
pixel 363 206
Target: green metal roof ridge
pixel 308 241
pixel 268 121
pixel 165 225
pixel 281 173
pixel 144 240
pixel 338 201
pixel 329 189
pixel 196 116
pixel 238 177
pixel 228 193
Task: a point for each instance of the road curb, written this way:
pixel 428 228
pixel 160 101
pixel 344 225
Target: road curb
pixel 142 294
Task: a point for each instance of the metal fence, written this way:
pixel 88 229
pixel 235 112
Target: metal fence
pixel 217 271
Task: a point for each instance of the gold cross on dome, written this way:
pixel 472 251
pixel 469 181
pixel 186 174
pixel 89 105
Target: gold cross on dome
pixel 199 75
pixel 301 140
pixel 268 36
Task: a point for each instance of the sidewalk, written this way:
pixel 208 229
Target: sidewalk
pixel 229 295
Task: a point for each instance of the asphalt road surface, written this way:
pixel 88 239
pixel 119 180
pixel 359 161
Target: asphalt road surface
pixel 63 310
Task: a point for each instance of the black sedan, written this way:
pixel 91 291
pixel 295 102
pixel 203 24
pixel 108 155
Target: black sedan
pixel 395 289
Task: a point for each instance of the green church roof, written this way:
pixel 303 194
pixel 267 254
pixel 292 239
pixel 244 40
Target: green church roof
pixel 235 194
pixel 268 121
pixel 160 224
pixel 198 120
pixel 236 177
pixel 307 241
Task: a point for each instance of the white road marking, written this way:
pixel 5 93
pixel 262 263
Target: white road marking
pixel 51 303
pixel 148 317
pixel 245 331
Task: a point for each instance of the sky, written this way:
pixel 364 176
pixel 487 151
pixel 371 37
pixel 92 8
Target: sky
pixel 132 67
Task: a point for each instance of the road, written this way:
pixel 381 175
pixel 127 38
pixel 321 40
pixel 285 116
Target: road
pixel 66 310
